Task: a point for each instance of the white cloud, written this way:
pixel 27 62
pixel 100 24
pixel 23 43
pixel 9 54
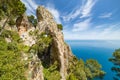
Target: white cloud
pixel 87 7
pixel 104 32
pixel 81 26
pixel 54 12
pixel 106 15
pixel 82 11
pixel 31 6
pixel 72 15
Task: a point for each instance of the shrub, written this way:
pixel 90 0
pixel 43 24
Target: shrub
pixel 11 22
pixel 11 65
pixel 11 34
pixel 12 46
pixel 79 70
pixel 33 33
pixel 59 26
pixel 71 77
pixel 32 20
pixel 52 73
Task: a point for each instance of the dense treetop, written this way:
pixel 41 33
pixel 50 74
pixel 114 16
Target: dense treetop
pixel 11 7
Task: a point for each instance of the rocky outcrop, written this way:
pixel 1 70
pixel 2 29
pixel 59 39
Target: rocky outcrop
pixel 22 24
pixel 35 69
pixel 59 49
pixel 24 27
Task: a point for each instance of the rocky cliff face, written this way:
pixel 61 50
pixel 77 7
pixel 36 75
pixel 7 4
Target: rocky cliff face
pixel 42 53
pixel 24 27
pixel 59 49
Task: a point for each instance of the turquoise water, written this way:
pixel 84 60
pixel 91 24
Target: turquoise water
pixel 100 50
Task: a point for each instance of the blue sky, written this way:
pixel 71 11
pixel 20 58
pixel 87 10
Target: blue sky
pixel 83 19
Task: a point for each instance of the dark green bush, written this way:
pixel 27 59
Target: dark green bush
pixel 115 59
pixel 43 41
pixel 10 34
pixel 60 26
pixel 79 70
pixel 52 73
pixel 33 33
pixel 12 46
pixel 11 66
pixel 32 20
pixel 11 22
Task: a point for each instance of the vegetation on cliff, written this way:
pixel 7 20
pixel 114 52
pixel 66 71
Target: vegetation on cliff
pixel 11 9
pixel 60 26
pixel 11 65
pixel 80 70
pixel 47 47
pixel 32 20
pixel 10 55
pixel 116 61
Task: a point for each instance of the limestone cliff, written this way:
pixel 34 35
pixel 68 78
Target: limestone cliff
pixel 40 52
pixel 35 69
pixel 59 49
pixel 24 27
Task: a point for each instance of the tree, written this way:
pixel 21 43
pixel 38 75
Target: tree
pixel 52 73
pixel 79 70
pixel 11 8
pixel 32 20
pixel 94 68
pixel 59 26
pixel 11 65
pixel 116 61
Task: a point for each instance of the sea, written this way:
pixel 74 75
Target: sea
pixel 100 50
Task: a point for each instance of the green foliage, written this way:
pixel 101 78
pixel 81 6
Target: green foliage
pixel 32 20
pixel 78 70
pixel 11 65
pixel 33 33
pixel 59 26
pixel 93 64
pixel 12 46
pixel 43 41
pixel 95 68
pixel 10 34
pixel 6 33
pixel 116 57
pixel 12 7
pixel 71 76
pixel 116 54
pixel 116 61
pixel 22 47
pixel 3 44
pixel 1 14
pixel 88 73
pixel 16 7
pixel 52 73
pixel 11 22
